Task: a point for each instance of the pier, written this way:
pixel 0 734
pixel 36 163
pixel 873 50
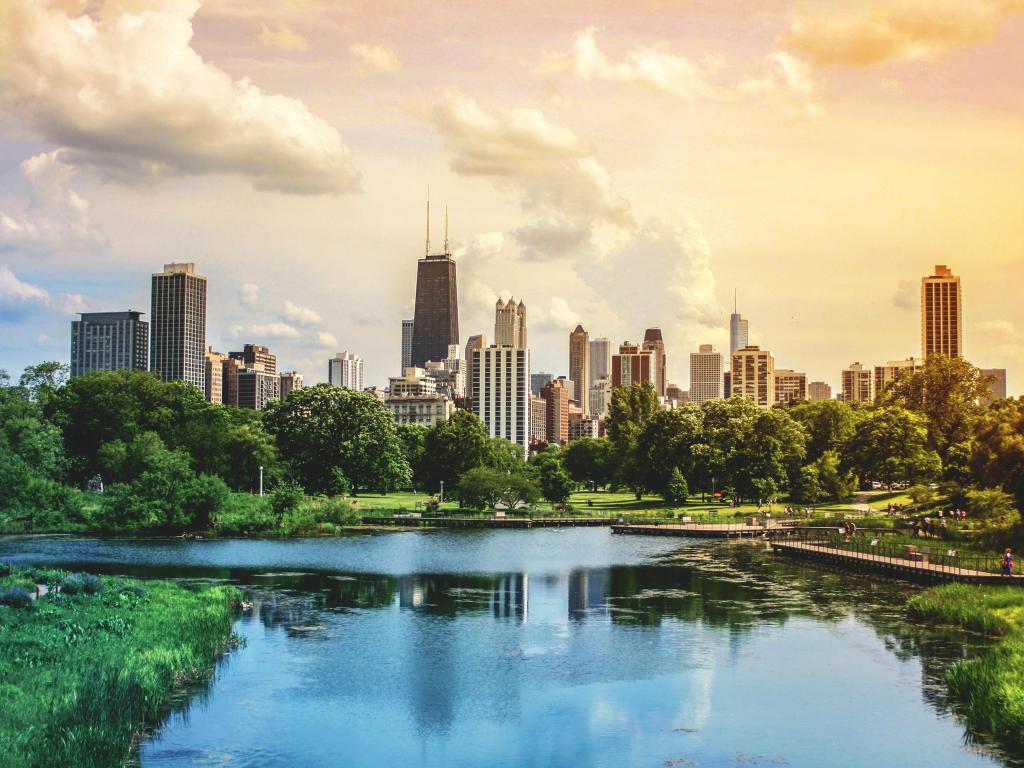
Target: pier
pixel 411 521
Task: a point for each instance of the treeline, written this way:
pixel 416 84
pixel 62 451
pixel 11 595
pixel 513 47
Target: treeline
pixel 170 461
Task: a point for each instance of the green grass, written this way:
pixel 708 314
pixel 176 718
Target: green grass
pixel 990 689
pixel 80 676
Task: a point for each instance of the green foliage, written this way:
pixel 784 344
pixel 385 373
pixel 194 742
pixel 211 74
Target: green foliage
pixel 891 445
pixel 413 441
pixel 588 460
pixel 806 487
pixel 286 498
pixel 828 424
pixel 991 505
pixel 484 488
pixel 921 495
pixel 452 448
pixel 81 584
pixel 997 457
pixel 83 673
pixel 665 446
pixel 15 597
pixel 43 380
pixel 676 490
pixel 322 428
pixel 630 409
pixel 555 483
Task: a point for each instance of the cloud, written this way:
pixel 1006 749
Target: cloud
pixel 906 296
pixel 56 217
pixel 293 313
pixel 863 34
pixel 122 88
pixel 788 83
pixel 265 331
pixel 283 38
pixel 998 331
pixel 368 59
pixel 560 315
pixel 249 295
pixel 20 299
pixel 325 339
pixel 518 149
pixel 480 248
pixel 551 236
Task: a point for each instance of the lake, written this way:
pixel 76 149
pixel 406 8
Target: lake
pixel 550 647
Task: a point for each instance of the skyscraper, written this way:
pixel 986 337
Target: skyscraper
pixel 177 349
pixel 600 397
pixel 510 323
pixel 705 374
pixel 256 357
pixel 790 386
pixel 500 376
pixel 753 377
pixel 632 365
pixel 556 404
pixel 819 390
pixel 941 314
pixel 345 370
pixel 858 384
pixel 738 337
pixel 436 318
pixel 539 380
pixel 214 376
pixel 654 342
pixel 600 359
pixel 407 327
pixel 477 341
pixel 579 367
pixel 109 341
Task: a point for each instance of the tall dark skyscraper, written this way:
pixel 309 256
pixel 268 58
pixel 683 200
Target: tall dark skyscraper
pixel 177 344
pixel 436 321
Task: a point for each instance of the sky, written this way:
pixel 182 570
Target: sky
pixel 622 165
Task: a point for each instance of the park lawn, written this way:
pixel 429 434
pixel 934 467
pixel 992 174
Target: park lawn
pixel 81 674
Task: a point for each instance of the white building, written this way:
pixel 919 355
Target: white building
pixel 501 381
pixel 345 370
pixel 705 374
pixel 425 410
pixel 600 396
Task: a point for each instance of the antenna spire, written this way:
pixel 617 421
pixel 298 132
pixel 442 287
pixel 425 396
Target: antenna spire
pixel 446 228
pixel 427 249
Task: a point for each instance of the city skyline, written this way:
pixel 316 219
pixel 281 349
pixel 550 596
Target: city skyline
pixel 849 179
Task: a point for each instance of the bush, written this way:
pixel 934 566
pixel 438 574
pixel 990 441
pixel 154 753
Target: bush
pixel 81 584
pixel 336 511
pixel 15 597
pixel 244 514
pixel 286 498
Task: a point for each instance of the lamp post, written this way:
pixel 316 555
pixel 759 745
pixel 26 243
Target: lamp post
pixel 261 479
pixel 442 492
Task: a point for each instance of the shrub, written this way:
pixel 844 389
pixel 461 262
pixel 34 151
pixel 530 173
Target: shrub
pixel 81 584
pixel 286 498
pixel 15 597
pixel 136 591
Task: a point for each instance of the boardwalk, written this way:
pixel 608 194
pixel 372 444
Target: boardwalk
pixel 409 521
pixel 712 530
pixel 899 566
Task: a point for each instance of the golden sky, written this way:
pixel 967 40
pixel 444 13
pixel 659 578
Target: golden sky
pixel 623 165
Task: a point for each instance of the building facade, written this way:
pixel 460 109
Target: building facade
pixel 790 386
pixel 705 374
pixel 819 390
pixel 655 344
pixel 738 332
pixel 501 386
pixel 600 359
pixel 886 375
pixel 425 411
pixel 858 384
pixel 436 317
pixel 941 314
pixel 478 341
pixel 290 381
pixel 600 397
pixel 632 365
pixel 407 328
pixel 345 370
pixel 510 324
pixel 256 387
pixel 540 380
pixel 214 376
pixel 752 375
pixel 177 345
pixel 579 367
pixel 538 420
pixel 109 341
pixel 556 404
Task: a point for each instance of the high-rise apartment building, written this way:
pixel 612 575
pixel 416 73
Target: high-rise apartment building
pixel 177 346
pixel 477 341
pixel 501 383
pixel 752 375
pixel 345 370
pixel 632 365
pixel 655 344
pixel 256 357
pixel 229 379
pixel 407 328
pixel 436 318
pixel 510 324
pixel 705 374
pixel 256 387
pixel 579 367
pixel 738 336
pixel 600 359
pixel 214 376
pixel 886 375
pixel 941 314
pixel 858 384
pixel 109 341
pixel 538 420
pixel 556 402
pixel 600 397
pixel 539 380
pixel 790 386
pixel 997 384
pixel 290 381
pixel 819 390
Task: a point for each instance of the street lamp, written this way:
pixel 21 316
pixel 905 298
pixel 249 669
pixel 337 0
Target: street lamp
pixel 442 492
pixel 261 479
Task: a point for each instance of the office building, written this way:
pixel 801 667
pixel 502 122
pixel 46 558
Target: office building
pixel 705 374
pixel 109 341
pixel 510 324
pixel 858 384
pixel 256 387
pixel 177 345
pixel 752 375
pixel 941 314
pixel 600 359
pixel 632 365
pixel 676 396
pixel 229 380
pixel 886 375
pixel 257 358
pixel 538 420
pixel 289 382
pixel 214 376
pixel 738 336
pixel 790 386
pixel 407 326
pixel 556 403
pixel 727 383
pixel 655 344
pixel 819 390
pixel 581 426
pixel 600 397
pixel 436 317
pixel 579 367
pixel 345 370
pixel 997 384
pixel 478 341
pixel 539 380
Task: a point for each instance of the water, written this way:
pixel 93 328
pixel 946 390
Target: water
pixel 547 648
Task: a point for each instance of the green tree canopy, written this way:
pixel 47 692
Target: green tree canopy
pixel 997 458
pixel 828 424
pixel 891 445
pixel 589 460
pixel 452 448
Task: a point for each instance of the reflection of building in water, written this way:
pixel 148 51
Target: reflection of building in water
pixel 588 593
pixel 511 596
pixel 410 592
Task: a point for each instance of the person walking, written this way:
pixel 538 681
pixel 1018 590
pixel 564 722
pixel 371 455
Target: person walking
pixel 1008 562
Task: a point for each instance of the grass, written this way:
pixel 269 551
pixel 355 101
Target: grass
pixel 989 690
pixel 81 675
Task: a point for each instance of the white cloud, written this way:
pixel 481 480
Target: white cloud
pixel 325 339
pixel 999 331
pixel 906 297
pixel 122 87
pixel 550 236
pixel 283 38
pixel 293 313
pixel 56 217
pixel 368 59
pixel 265 331
pixel 20 299
pixel 11 288
pixel 788 83
pixel 482 247
pixel 863 34
pixel 561 315
pixel 249 295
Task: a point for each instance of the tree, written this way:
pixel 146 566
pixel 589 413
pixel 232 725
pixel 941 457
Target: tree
pixel 676 490
pixel 630 409
pixel 767 453
pixel 836 483
pixel 504 455
pixel 518 488
pixel 890 445
pixel 807 486
pixel 318 429
pixel 828 424
pixel 44 379
pixel 997 456
pixel 480 488
pixel 588 460
pixel 991 505
pixel 555 483
pixel 452 448
pixel 665 445
pixel 413 439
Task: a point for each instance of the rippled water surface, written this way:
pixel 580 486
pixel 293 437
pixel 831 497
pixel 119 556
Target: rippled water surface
pixel 567 647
